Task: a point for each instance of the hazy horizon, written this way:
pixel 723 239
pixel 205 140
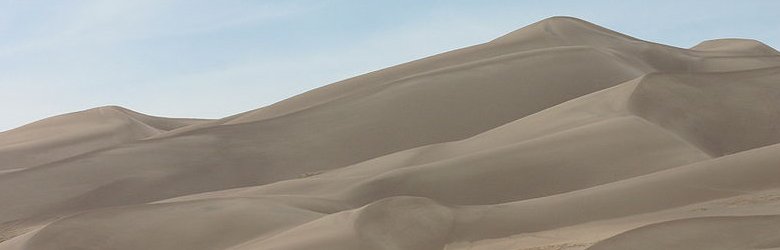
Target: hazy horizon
pixel 210 60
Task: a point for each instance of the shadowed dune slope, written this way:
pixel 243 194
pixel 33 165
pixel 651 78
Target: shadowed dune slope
pixel 560 135
pixel 585 143
pixel 722 113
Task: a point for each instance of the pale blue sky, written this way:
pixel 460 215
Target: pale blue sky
pixel 216 58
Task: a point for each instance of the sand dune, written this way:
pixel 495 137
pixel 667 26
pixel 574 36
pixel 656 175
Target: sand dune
pixel 560 135
pixel 737 46
pixel 722 113
pixel 68 135
pixel 736 232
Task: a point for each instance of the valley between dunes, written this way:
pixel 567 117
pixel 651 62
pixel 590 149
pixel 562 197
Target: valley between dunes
pixel 560 135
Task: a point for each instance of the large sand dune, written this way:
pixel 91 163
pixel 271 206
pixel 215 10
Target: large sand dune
pixel 560 135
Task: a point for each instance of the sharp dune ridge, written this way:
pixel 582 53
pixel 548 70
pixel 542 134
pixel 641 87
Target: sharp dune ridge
pixel 560 135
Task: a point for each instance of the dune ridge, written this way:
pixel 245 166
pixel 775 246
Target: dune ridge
pixel 68 135
pixel 560 135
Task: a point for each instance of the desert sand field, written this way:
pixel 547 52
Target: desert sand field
pixel 560 135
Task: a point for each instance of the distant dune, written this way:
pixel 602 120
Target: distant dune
pixel 560 135
pixel 69 135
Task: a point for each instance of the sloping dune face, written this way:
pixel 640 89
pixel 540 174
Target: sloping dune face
pixel 68 135
pixel 560 135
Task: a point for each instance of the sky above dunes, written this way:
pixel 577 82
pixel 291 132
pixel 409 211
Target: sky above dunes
pixel 211 59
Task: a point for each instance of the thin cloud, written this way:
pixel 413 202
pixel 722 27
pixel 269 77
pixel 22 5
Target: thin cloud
pixel 117 21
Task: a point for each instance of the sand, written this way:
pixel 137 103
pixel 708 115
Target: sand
pixel 560 135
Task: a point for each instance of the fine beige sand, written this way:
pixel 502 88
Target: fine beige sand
pixel 560 135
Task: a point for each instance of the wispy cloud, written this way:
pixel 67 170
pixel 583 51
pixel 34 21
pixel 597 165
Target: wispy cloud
pixel 112 21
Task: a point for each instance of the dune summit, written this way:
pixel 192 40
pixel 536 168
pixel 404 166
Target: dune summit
pixel 560 135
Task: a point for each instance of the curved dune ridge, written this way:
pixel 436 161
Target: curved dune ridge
pixel 560 135
pixel 69 135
